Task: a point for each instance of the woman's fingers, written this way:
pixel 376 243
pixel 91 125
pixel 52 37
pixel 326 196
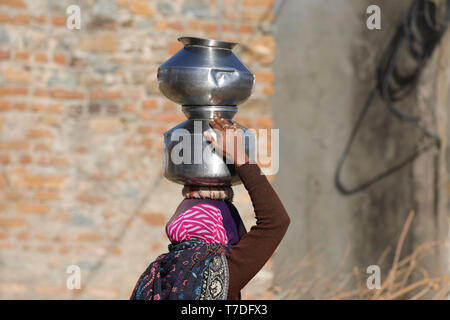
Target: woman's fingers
pixel 215 125
pixel 224 124
pixel 208 136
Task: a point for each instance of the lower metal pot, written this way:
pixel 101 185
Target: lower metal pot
pixel 188 160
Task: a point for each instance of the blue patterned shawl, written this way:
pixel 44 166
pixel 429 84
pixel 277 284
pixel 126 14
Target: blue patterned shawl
pixel 191 270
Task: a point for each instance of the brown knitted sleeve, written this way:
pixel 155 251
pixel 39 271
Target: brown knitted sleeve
pixel 250 254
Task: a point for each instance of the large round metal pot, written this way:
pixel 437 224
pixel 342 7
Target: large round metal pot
pixel 201 168
pixel 204 73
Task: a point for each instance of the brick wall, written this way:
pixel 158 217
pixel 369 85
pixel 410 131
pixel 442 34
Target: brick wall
pixel 81 123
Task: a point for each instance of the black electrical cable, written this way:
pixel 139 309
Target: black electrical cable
pixel 421 32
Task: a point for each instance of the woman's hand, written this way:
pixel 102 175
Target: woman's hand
pixel 230 140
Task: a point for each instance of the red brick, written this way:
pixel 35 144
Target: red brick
pixel 21 19
pixel 258 3
pixel 22 55
pixel 33 208
pixel 41 18
pixel 228 27
pixel 6 245
pixel 56 108
pixel 50 290
pixel 42 147
pixel 170 106
pixel 41 237
pixel 154 219
pixel 9 91
pixel 4 235
pixel 4 105
pixel 161 24
pixel 58 93
pixel 20 106
pixel 66 94
pixel 245 28
pixel 171 117
pixel 13 145
pixel 90 237
pixel 246 122
pixel 60 161
pixel 23 236
pixel 12 195
pixel 139 7
pixel 210 27
pixel 64 250
pixel 149 104
pixel 160 130
pixel 264 76
pixel 44 161
pixel 144 129
pixel 37 107
pixel 257 16
pixel 23 179
pixel 104 42
pixel 176 25
pixel 147 142
pixel 45 248
pixel 173 47
pixel 40 57
pixel 108 25
pixel 12 288
pixel 14 3
pixel 81 150
pixel 130 107
pixel 38 133
pixel 264 122
pixel 58 20
pixel 145 116
pixel 105 125
pixel 16 75
pixel 4 17
pixel 4 159
pixel 90 199
pixel 25 159
pixel 4 54
pixel 54 182
pixel 98 95
pixel 12 222
pixel 46 196
pixel 62 216
pixel 130 142
pixel 269 90
pixel 195 25
pixel 262 49
pixel 130 93
pixel 42 93
pixel 59 59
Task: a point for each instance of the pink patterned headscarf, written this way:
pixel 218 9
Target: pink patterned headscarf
pixel 202 221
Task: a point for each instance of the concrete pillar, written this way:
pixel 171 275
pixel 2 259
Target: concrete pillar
pixel 324 69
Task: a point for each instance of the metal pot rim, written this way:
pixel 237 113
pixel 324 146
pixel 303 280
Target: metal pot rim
pixel 207 42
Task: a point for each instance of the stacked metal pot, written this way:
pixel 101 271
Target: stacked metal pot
pixel 208 80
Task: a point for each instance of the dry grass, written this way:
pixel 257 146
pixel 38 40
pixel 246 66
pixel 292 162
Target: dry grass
pixel 406 278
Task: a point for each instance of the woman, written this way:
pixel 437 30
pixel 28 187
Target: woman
pixel 205 260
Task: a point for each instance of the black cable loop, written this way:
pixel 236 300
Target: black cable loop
pixel 421 35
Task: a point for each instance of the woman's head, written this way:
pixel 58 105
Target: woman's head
pixel 216 201
pixel 202 221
